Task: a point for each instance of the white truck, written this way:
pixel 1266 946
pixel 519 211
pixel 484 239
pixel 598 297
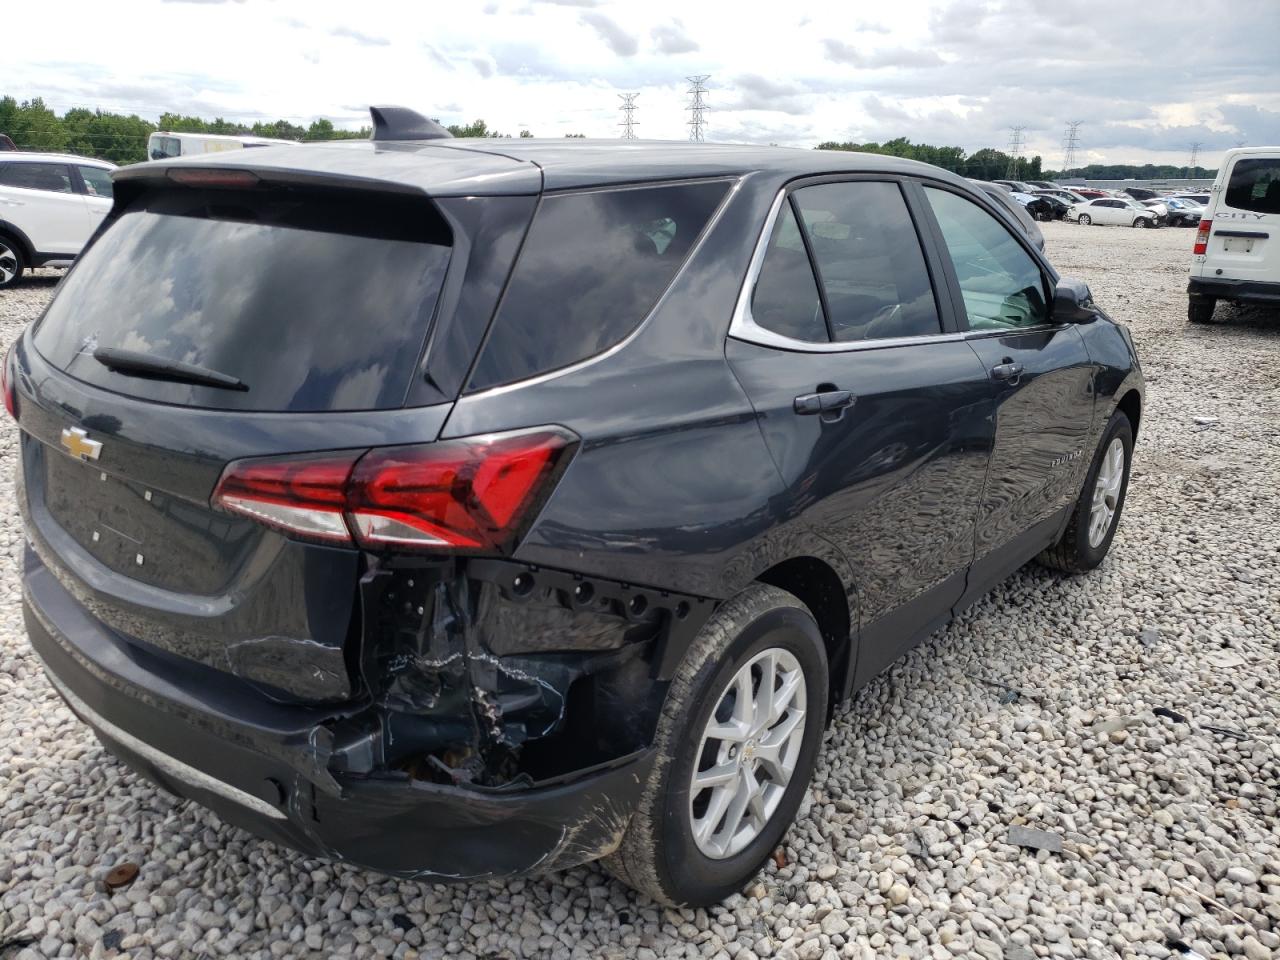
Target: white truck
pixel 1237 250
pixel 165 145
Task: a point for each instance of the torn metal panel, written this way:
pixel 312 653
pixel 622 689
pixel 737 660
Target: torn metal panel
pixel 491 672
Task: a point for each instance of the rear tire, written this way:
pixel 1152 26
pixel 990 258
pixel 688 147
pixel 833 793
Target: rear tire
pixel 11 262
pixel 1200 309
pixel 1084 220
pixel 676 849
pixel 1085 542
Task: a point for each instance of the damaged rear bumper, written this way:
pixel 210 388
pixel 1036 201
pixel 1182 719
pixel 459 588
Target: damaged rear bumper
pixel 265 766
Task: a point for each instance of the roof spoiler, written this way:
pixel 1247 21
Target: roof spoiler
pixel 401 123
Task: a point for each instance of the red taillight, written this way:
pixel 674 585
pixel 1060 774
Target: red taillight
pixel 469 494
pixel 302 495
pixel 205 177
pixel 6 384
pixel 1202 238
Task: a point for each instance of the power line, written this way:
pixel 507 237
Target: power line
pixel 1195 154
pixel 1070 141
pixel 1015 151
pixel 628 115
pixel 697 87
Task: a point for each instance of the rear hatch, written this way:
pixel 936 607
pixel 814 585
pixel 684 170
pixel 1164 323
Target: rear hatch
pixel 211 322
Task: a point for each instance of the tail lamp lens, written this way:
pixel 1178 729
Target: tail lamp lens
pixel 468 494
pixel 1202 238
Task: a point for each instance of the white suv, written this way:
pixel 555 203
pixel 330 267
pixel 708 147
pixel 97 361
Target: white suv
pixel 50 204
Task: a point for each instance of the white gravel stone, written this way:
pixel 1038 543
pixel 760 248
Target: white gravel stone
pixel 902 851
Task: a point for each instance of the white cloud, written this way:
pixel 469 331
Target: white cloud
pixel 957 72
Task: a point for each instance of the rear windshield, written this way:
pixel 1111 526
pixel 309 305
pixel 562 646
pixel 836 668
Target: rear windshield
pixel 1255 185
pixel 315 301
pixel 592 267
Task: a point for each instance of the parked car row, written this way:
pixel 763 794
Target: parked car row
pixel 1131 207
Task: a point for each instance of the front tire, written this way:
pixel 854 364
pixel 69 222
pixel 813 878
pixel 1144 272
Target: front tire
pixel 736 743
pixel 1084 220
pixel 1087 539
pixel 11 262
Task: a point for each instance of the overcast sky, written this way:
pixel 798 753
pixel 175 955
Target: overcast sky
pixel 1146 84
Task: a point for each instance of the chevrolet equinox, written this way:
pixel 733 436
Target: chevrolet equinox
pixel 466 508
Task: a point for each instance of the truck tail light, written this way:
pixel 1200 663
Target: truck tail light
pixel 1202 238
pixel 475 493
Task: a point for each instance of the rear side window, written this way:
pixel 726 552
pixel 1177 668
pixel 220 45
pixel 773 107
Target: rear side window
pixel 52 177
pixel 592 267
pixel 1255 185
pixel 869 261
pixel 163 147
pixel 97 181
pixel 785 299
pixel 317 301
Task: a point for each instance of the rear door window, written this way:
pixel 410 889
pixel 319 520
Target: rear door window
pixel 316 300
pixel 869 261
pixel 1255 185
pixel 51 177
pixel 593 265
pixel 96 181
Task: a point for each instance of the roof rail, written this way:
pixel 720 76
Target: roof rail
pixel 401 123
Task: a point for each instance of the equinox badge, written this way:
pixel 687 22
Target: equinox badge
pixel 78 444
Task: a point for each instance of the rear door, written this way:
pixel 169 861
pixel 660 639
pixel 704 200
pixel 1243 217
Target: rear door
pixel 320 304
pixel 1042 377
pixel 95 184
pixel 1245 240
pixel 41 198
pixel 877 414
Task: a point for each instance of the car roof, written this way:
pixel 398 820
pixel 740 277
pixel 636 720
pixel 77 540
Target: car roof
pixel 27 155
pixel 459 167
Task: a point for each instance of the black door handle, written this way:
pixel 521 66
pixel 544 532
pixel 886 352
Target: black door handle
pixel 830 404
pixel 1006 371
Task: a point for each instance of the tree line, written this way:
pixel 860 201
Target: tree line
pixel 123 139
pixel 990 163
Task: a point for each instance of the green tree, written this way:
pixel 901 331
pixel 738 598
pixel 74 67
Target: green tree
pixel 32 125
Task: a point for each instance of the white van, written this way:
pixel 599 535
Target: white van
pixel 1237 251
pixel 164 145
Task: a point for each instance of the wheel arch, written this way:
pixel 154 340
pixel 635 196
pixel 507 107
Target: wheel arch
pixel 13 231
pixel 820 588
pixel 1130 404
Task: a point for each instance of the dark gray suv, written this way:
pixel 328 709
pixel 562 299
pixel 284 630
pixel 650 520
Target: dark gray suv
pixel 468 508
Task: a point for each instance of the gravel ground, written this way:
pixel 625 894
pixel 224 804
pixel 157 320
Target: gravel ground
pixel 1168 829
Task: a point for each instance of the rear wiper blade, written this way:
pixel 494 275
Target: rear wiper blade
pixel 134 364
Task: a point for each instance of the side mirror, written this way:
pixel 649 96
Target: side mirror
pixel 1072 302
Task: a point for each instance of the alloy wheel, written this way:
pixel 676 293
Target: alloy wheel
pixel 8 263
pixel 748 753
pixel 1106 492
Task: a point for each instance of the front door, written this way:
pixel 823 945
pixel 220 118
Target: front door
pixel 1041 376
pixel 877 413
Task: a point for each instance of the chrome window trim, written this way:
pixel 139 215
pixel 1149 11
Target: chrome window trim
pixel 744 327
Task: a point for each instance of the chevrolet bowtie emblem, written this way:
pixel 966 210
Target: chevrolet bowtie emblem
pixel 78 444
